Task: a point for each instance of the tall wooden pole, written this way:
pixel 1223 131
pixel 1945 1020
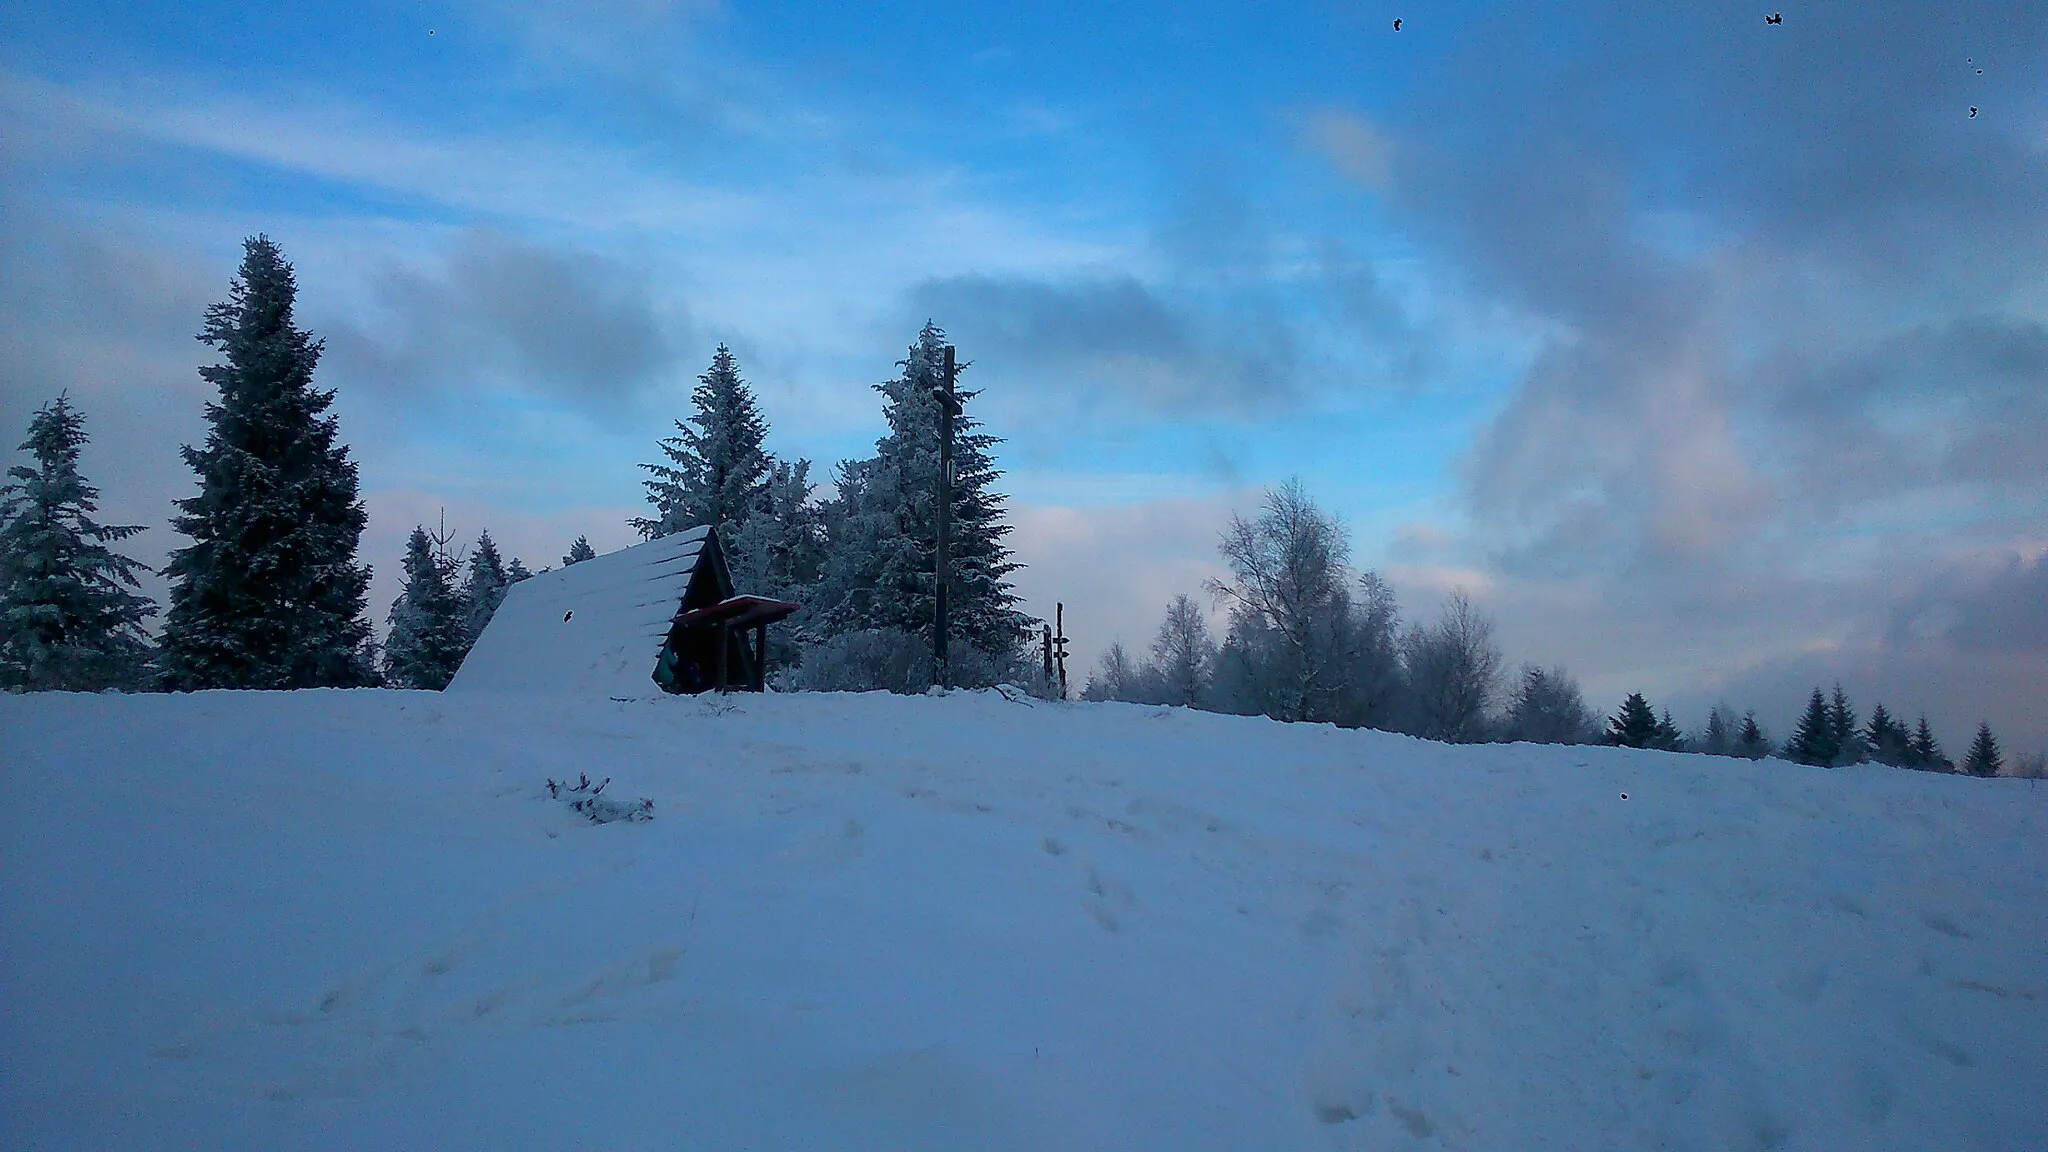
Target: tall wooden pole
pixel 1059 644
pixel 948 403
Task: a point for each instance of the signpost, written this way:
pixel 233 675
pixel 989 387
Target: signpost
pixel 1059 644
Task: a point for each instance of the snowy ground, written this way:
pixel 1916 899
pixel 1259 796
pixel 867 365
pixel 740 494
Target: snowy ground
pixel 350 920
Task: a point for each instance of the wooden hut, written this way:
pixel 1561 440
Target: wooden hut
pixel 659 616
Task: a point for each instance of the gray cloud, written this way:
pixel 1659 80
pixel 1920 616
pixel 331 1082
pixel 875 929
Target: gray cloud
pixel 1795 387
pixel 1113 334
pixel 1982 608
pixel 91 309
pixel 502 313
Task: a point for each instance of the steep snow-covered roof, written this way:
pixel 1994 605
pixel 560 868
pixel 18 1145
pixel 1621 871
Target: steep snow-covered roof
pixel 589 629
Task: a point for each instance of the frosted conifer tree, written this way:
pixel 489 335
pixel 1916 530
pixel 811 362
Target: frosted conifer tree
pixel 579 552
pixel 883 528
pixel 1669 738
pixel 427 641
pixel 1983 758
pixel 1814 741
pixel 1926 750
pixel 268 594
pixel 1546 707
pixel 780 550
pixel 1887 739
pixel 1843 728
pixel 484 589
pixel 1751 741
pixel 69 618
pixel 717 471
pixel 1635 726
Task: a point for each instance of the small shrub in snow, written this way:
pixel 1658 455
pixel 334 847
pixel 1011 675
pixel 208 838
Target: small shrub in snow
pixel 887 658
pixel 593 804
pixel 900 661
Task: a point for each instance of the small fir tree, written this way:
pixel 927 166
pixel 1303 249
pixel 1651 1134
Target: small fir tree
pixel 484 589
pixel 1752 742
pixel 1983 758
pixel 516 571
pixel 1843 728
pixel 1926 752
pixel 780 552
pixel 269 594
pixel 1814 742
pixel 427 640
pixel 1669 738
pixel 69 618
pixel 1719 738
pixel 1887 739
pixel 1635 726
pixel 717 471
pixel 579 552
pixel 1546 707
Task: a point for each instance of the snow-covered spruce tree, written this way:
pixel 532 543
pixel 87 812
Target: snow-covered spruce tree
pixel 269 594
pixel 1926 751
pixel 1887 739
pixel 717 470
pixel 517 571
pixel 1546 707
pixel 69 618
pixel 780 552
pixel 1983 758
pixel 1842 725
pixel 1370 688
pixel 427 639
pixel 1669 738
pixel 1718 737
pixel 1814 742
pixel 579 552
pixel 483 589
pixel 782 548
pixel 881 529
pixel 1635 726
pixel 1750 741
pixel 1184 653
pixel 1453 673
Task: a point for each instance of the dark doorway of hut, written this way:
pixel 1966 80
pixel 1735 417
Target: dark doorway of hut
pixel 720 647
pixel 717 641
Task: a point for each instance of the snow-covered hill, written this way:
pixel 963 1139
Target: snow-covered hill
pixel 352 920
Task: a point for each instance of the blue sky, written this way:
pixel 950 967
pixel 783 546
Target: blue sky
pixel 1710 356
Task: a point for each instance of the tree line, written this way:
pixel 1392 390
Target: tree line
pixel 1309 639
pixel 269 592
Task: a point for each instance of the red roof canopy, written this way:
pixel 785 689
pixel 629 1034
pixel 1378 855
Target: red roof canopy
pixel 739 612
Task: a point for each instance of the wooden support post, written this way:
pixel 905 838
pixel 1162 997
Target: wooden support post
pixel 724 642
pixel 949 405
pixel 1059 644
pixel 761 658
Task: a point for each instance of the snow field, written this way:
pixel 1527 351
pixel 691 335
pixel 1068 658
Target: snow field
pixel 353 919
